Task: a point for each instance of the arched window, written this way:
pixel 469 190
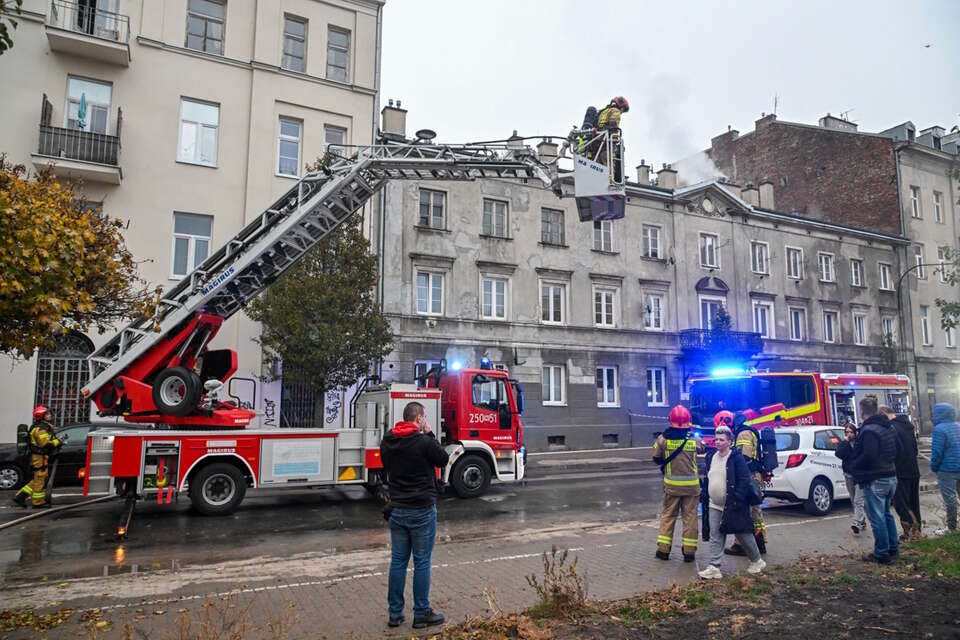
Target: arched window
pixel 61 373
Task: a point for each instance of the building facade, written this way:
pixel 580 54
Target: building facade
pixel 183 118
pixel 600 321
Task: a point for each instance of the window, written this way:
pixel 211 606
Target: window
pixel 651 241
pixel 889 328
pixel 828 440
pixel 489 394
pixel 608 391
pixel 603 306
pixel 798 323
pixel 856 273
pixel 885 283
pixel 918 260
pixel 199 123
pixel 432 209
pixel 338 54
pixel 294 44
pixel 493 298
pixel 788 441
pixel 949 337
pixel 915 202
pixel 420 369
pixel 825 261
pixel 551 227
pixel 656 389
pixel 925 325
pixel 709 251
pixel 603 235
pixel 938 206
pixel 288 148
pixel 653 312
pixel 553 302
pixel 191 242
pixel 830 326
pixel 334 137
pixel 763 319
pixel 709 307
pixel 97 95
pixel 794 263
pixel 553 384
pixel 942 258
pixel 494 218
pixel 429 293
pixel 205 25
pixel 860 328
pixel 760 257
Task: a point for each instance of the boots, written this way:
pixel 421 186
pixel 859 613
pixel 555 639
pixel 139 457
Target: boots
pixel 20 500
pixel 761 543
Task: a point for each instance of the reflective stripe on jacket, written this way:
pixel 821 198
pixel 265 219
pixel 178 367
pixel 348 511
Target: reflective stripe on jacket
pixel 609 118
pixel 681 472
pixel 42 439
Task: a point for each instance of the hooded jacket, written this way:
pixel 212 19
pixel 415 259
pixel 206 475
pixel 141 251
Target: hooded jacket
pixel 410 459
pixel 875 451
pixel 945 454
pixel 907 466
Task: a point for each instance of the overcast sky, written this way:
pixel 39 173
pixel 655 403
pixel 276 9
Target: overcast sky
pixel 478 70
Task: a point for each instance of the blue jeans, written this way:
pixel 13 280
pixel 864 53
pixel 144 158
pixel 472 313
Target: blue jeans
pixel 411 530
pixel 878 496
pixel 947 481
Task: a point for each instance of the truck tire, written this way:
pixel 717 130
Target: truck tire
pixel 176 391
pixel 217 489
pixel 820 500
pixel 470 476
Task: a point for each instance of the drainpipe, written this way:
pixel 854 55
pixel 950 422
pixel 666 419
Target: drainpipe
pixel 383 189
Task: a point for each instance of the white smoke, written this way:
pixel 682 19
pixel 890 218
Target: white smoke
pixel 698 167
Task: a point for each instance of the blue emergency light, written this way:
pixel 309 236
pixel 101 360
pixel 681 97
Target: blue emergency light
pixel 721 372
pixel 485 362
pixel 456 365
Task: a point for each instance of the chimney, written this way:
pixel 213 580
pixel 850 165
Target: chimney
pixel 667 178
pixel 837 124
pixel 515 141
pixel 729 135
pixel 547 152
pixel 643 172
pixel 393 120
pixel 766 194
pixel 733 188
pixel 765 121
pixel 751 195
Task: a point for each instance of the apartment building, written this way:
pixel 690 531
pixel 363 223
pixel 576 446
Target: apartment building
pixel 183 118
pixel 603 323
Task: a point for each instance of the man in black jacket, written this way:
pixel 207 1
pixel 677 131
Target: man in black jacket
pixel 907 498
pixel 411 456
pixel 873 466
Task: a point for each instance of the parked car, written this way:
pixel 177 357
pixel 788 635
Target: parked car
pixel 809 470
pixel 14 470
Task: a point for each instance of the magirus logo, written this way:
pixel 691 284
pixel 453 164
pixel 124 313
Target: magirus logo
pixel 217 281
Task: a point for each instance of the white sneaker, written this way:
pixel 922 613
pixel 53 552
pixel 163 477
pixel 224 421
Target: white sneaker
pixel 757 567
pixel 710 573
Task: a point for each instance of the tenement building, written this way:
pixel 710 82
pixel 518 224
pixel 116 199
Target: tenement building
pixel 603 323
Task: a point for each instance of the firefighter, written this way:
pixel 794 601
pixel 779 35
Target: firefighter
pixel 43 445
pixel 746 443
pixel 609 120
pixel 675 450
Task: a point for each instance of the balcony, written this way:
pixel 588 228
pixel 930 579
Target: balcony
pixel 707 344
pixel 84 30
pixel 77 154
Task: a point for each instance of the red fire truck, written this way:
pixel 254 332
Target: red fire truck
pixel 790 398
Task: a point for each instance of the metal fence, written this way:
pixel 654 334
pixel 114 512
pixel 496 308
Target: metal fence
pixel 74 144
pixel 89 20
pixel 61 374
pixel 298 405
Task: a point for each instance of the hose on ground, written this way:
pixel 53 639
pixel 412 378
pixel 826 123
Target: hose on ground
pixel 47 512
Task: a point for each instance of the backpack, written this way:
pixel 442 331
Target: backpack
pixel 23 440
pixel 590 118
pixel 766 450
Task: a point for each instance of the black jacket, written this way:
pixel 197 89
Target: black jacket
pixel 410 459
pixel 907 466
pixel 845 453
pixel 874 451
pixel 740 486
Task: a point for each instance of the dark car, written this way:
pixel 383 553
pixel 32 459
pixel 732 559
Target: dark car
pixel 15 471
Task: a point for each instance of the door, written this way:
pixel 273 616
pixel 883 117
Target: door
pixel 489 418
pixel 823 456
pixel 843 407
pixel 73 455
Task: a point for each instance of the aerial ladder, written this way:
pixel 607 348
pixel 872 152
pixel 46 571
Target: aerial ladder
pixel 160 369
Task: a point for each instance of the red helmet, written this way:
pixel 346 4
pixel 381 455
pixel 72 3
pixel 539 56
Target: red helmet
pixel 621 103
pixel 723 418
pixel 680 416
pixel 40 412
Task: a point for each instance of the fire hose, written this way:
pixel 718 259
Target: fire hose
pixel 47 512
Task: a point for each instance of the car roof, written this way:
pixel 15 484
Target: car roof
pixel 802 428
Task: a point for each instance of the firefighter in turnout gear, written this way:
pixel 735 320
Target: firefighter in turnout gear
pixel 609 120
pixel 675 450
pixel 747 442
pixel 43 445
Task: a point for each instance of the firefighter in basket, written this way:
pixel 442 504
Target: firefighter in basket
pixel 675 450
pixel 43 444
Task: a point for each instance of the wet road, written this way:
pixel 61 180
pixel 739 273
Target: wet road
pixel 80 543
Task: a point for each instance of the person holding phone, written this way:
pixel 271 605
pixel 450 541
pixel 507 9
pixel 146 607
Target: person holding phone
pixel 858 521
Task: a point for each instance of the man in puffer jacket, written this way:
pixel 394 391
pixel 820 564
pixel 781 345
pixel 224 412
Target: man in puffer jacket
pixel 945 457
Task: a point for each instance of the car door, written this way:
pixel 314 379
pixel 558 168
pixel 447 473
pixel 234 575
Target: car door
pixel 824 458
pixel 73 454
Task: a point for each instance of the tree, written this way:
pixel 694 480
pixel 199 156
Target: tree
pixel 7 24
pixel 63 264
pixel 721 323
pixel 321 319
pixel 890 361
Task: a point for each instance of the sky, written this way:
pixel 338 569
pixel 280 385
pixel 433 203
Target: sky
pixel 478 70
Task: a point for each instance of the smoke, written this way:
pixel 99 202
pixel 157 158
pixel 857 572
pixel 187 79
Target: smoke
pixel 698 167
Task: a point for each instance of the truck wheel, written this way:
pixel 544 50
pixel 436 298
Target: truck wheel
pixel 11 476
pixel 470 476
pixel 176 391
pixel 820 500
pixel 217 489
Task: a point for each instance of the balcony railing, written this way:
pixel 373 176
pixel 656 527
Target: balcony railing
pixel 75 144
pixel 84 19
pixel 745 343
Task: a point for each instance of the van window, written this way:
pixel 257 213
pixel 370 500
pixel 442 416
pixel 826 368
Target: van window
pixel 788 441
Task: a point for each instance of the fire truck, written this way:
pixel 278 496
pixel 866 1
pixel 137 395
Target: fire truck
pixel 793 398
pixel 159 371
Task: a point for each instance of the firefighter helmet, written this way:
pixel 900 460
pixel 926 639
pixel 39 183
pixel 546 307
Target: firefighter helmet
pixel 680 416
pixel 724 418
pixel 40 412
pixel 621 103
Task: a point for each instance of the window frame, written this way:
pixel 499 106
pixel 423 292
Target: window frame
pixel 544 211
pixel 346 51
pixel 893 325
pixel 606 227
pixel 430 273
pixel 563 301
pixel 830 262
pixel 702 236
pixel 614 291
pixel 554 402
pixel 856 268
pixel 651 402
pixel 609 404
pixel 282 138
pixel 199 140
pixel 942 261
pixel 191 245
pixel 926 334
pixel 861 339
pixel 834 337
pixel 493 211
pixel 880 276
pixel 950 338
pixel 915 211
pixel 427 365
pixel 918 260
pixel 495 279
pixel 648 297
pixel 430 208
pixel 283 39
pixel 803 326
pixel 327 128
pixel 647 250
pixel 787 249
pixel 90 104
pixel 771 321
pixel 206 20
pixel 709 298
pixel 760 244
pixel 938 207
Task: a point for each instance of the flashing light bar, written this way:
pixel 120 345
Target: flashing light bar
pixel 721 372
pixel 456 365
